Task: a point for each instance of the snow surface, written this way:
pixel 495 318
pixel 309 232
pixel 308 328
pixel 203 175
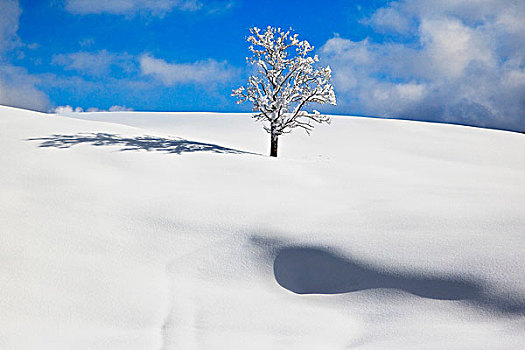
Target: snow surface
pixel 175 231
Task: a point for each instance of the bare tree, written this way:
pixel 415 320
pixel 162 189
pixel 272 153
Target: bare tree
pixel 285 82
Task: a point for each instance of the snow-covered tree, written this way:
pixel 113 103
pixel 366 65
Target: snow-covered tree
pixel 285 82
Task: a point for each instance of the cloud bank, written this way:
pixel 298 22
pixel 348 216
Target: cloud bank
pixel 451 61
pixel 9 16
pixel 18 88
pixel 200 72
pixel 157 8
pixel 68 109
pixel 93 63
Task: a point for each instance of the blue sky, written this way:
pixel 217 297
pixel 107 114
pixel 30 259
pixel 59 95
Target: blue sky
pixel 449 61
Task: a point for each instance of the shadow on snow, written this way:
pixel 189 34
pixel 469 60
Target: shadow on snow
pixel 313 270
pixel 146 143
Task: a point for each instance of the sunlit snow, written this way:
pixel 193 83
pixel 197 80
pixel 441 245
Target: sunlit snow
pixel 131 230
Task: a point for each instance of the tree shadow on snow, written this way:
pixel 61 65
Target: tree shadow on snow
pixel 312 270
pixel 147 143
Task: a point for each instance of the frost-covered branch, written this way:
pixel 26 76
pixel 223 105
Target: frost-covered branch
pixel 286 81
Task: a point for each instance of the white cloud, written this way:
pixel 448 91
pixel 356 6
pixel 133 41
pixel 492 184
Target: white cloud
pixel 93 63
pixel 117 108
pixel 130 7
pixel 389 19
pixel 87 42
pixel 452 46
pixel 463 63
pixel 200 72
pixel 68 109
pixel 18 88
pixel 9 16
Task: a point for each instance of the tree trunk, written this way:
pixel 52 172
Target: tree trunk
pixel 273 147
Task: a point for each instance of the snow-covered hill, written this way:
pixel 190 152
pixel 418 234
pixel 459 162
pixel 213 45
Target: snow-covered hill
pixel 176 231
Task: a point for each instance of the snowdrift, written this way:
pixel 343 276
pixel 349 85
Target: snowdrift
pixel 131 230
